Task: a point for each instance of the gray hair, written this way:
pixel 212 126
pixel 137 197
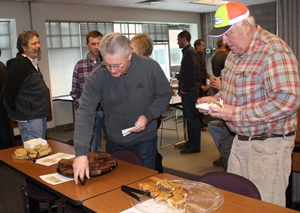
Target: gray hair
pixel 114 43
pixel 251 21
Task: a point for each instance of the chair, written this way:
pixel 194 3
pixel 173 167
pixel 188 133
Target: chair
pixel 38 194
pixel 162 120
pixel 128 156
pixel 231 182
pixel 70 142
pixel 73 209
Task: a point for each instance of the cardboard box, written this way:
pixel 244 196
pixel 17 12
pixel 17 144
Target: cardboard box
pixel 33 142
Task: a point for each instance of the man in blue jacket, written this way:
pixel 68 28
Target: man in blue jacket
pixel 25 93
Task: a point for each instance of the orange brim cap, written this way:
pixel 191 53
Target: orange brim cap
pixel 226 16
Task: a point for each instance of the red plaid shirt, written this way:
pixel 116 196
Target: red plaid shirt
pixel 263 86
pixel 81 71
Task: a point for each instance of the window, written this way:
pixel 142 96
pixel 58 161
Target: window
pixel 175 52
pixel 5 42
pixel 66 46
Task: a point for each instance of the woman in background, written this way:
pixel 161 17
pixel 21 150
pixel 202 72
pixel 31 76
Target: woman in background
pixel 142 44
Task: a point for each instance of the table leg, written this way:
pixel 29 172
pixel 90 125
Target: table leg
pixel 184 134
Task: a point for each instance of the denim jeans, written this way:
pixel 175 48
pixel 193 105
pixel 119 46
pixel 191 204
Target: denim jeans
pixel 191 114
pixel 6 132
pixel 31 129
pixel 225 143
pixel 215 128
pixel 99 123
pixel 266 163
pixel 145 149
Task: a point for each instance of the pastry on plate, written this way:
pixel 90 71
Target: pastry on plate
pixel 181 192
pixel 162 197
pixel 176 202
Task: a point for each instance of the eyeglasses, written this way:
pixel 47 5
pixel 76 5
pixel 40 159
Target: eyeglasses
pixel 109 67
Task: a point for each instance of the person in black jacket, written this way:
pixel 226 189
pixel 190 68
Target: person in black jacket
pixel 6 132
pixel 26 96
pixel 189 85
pixel 199 45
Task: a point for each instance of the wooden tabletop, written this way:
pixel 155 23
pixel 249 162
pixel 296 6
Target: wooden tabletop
pixel 232 202
pixel 124 173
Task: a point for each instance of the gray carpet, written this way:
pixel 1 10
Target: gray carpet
pixel 11 200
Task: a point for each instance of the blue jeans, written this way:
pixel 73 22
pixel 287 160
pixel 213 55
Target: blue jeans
pixel 145 149
pixel 99 122
pixel 31 129
pixel 215 128
pixel 6 132
pixel 191 114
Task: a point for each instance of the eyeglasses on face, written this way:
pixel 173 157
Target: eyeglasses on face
pixel 110 67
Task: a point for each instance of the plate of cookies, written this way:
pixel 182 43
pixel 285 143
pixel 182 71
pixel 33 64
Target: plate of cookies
pixel 100 164
pixel 178 196
pixel 37 152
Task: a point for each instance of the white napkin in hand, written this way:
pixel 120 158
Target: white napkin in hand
pixel 206 106
pixel 126 132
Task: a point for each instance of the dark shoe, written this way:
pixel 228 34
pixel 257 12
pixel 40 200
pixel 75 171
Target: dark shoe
pixel 218 163
pixel 203 129
pixel 183 146
pixel 203 125
pixel 190 150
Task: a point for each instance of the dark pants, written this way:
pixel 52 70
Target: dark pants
pixel 6 132
pixel 145 149
pixel 191 114
pixel 201 115
pixel 225 143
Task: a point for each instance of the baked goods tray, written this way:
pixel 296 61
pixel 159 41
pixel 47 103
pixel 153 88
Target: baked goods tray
pixel 26 157
pixel 201 198
pixel 102 172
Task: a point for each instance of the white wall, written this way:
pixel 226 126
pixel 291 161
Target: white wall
pixel 42 12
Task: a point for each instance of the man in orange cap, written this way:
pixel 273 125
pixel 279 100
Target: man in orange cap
pixel 261 96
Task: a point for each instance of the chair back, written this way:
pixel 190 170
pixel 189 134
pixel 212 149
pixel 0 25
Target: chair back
pixel 70 142
pixel 73 209
pixel 231 182
pixel 128 156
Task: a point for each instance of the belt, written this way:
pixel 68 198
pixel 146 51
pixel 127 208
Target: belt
pixel 263 136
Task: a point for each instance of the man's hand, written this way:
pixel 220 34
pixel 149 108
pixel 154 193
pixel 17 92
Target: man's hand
pixel 81 167
pixel 142 125
pixel 217 83
pixel 12 119
pixel 204 88
pixel 223 113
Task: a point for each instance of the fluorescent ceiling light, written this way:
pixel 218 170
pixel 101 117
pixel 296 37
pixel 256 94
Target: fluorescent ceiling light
pixel 210 2
pixel 151 2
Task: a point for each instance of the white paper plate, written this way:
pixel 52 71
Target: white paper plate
pixel 205 106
